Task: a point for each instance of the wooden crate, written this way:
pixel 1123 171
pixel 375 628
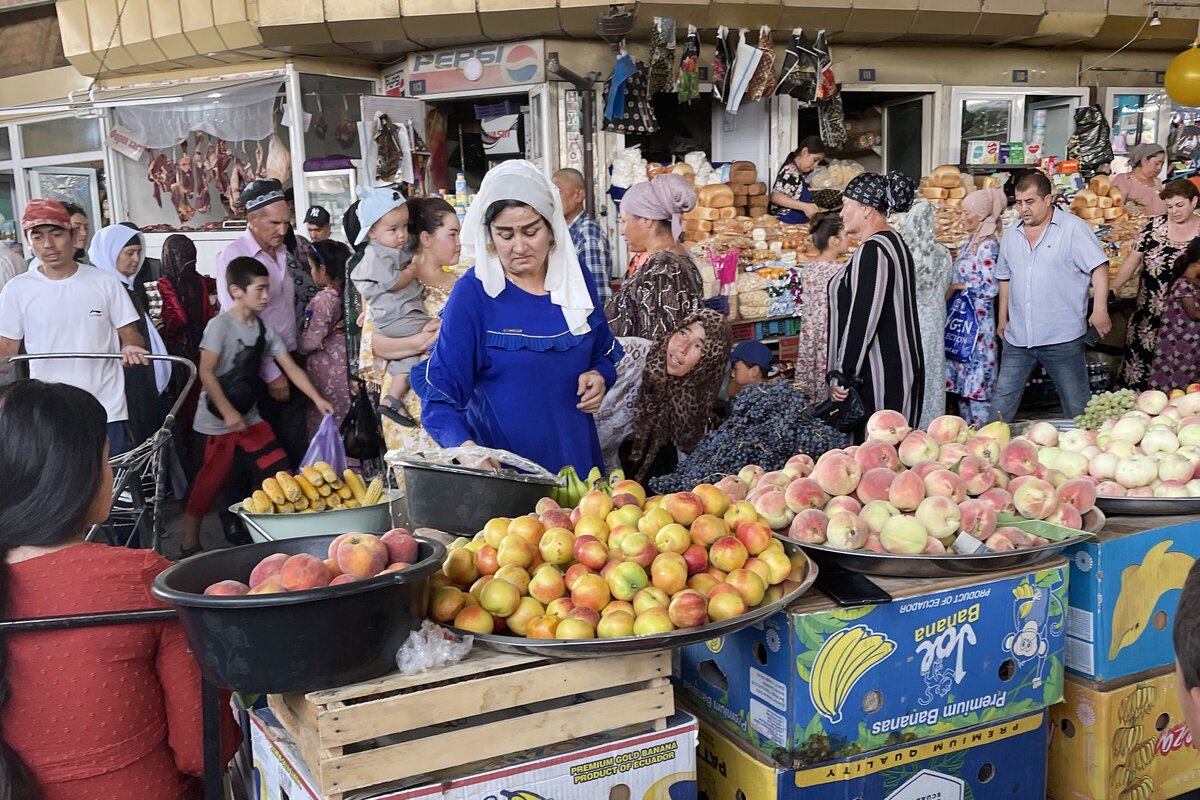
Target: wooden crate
pixel 335 728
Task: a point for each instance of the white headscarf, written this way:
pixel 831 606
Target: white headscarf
pixel 524 182
pixel 106 246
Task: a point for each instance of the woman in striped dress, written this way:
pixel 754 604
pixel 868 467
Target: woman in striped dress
pixel 874 335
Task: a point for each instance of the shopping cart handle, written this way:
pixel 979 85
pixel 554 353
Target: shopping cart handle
pixel 176 361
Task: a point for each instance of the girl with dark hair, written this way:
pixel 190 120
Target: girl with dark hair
pixel 812 362
pixel 93 712
pixel 322 339
pixel 1175 357
pixel 791 200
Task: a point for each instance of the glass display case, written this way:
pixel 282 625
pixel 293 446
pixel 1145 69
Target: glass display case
pixel 333 190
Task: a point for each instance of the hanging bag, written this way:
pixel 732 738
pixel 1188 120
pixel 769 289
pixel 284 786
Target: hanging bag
pixel 361 434
pixel 846 416
pixel 327 446
pixel 962 327
pixel 241 382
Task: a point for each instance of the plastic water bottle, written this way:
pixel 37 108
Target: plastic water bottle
pixel 460 184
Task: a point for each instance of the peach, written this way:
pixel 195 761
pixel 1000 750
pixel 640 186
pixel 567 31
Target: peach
pixel 780 566
pixel 696 558
pixel 1000 542
pixel 514 575
pixel 650 597
pixel 887 426
pixel 1067 516
pixel 591 591
pixel 575 628
pixel 759 568
pixel 737 513
pixel 557 518
pixel 477 586
pixel 923 468
pixel 589 551
pixel 904 536
pixel 759 491
pixel 546 504
pixel 269 586
pixel 517 550
pixel 714 500
pixel 1152 402
pixel 270 566
pixel 627 579
pixel 726 605
pixel 1020 457
pixel 944 483
pixel 227 589
pixel 773 506
pixel 652 520
pixel 360 554
pixel 848 504
pixel 669 572
pixel 616 625
pixel 707 528
pixel 499 598
pixel 1034 499
pixel 624 500
pixel 1078 493
pixel 948 428
pixel 977 517
pixel 528 527
pixel 702 583
pixel 573 573
pixel 727 553
pixel 557 546
pixel 733 487
pixel 750 475
pixel 1129 429
pixel 401 545
pixel 688 609
pixel 951 454
pixel 1002 478
pixel 907 491
pixel 934 547
pixel 459 567
pixel 639 549
pixel 977 475
pixel 1174 467
pixel 1042 434
pixel 305 571
pixel 595 504
pixel 749 585
pixel 475 619
pixel 543 627
pixel 684 507
pixel 527 610
pixel 804 493
pixel 917 446
pixel 1077 440
pixel 672 538
pixel 877 512
pixel 1103 466
pixel 485 560
pixel 837 473
pixel 755 536
pixel 939 515
pixel 617 536
pixel 799 466
pixel 394 567
pixel 547 584
pixel 652 621
pixel 875 484
pixel 876 454
pixel 984 447
pixel 1000 500
pixel 809 526
pixel 494 530
pixel 1171 489
pixel 846 532
pixel 630 487
pixel 445 604
pixel 627 513
pixel 616 605
pixel 333 546
pixel 874 544
pixel 589 526
pixel 561 607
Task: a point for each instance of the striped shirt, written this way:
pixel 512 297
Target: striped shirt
pixel 874 334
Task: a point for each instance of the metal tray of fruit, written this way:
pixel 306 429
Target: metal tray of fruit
pixel 629 645
pixel 890 565
pixel 1019 428
pixel 1149 506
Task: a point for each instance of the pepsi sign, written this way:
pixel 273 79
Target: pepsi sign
pixel 461 69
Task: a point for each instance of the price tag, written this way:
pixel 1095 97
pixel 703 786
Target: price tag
pixel 965 544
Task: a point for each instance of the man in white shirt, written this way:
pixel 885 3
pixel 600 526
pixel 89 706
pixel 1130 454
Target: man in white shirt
pixel 57 307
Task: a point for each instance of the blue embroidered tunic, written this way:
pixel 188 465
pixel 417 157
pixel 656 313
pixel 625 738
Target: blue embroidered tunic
pixel 504 373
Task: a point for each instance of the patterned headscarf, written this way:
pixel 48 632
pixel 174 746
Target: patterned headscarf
pixel 666 197
pixel 1141 152
pixel 675 411
pixel 886 193
pixel 988 205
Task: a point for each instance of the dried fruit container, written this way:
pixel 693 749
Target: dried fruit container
pixel 296 641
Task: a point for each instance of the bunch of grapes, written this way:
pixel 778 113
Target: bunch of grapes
pixel 767 425
pixel 1105 406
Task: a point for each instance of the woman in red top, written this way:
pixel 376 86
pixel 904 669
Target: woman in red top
pixel 88 713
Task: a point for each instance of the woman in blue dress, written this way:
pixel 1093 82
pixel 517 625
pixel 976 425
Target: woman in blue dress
pixel 524 355
pixel 974 380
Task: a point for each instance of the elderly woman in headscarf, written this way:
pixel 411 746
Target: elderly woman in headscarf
pixel 974 380
pixel 933 267
pixel 524 355
pixel 667 287
pixel 1141 184
pixel 874 335
pixel 662 402
pixel 120 250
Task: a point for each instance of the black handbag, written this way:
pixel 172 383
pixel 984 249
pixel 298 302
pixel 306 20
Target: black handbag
pixel 240 383
pixel 846 416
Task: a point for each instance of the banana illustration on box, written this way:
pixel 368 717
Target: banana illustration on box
pixel 1031 615
pixel 1141 587
pixel 844 658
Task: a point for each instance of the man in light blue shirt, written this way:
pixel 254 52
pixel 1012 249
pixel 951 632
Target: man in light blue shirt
pixel 1047 262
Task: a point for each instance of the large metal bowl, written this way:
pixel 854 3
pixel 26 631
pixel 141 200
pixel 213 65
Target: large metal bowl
pixel 366 519
pixel 460 500
pixel 629 645
pixel 890 565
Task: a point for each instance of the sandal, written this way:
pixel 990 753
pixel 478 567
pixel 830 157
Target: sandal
pixel 396 415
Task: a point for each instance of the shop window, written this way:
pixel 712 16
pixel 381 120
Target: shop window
pixel 58 137
pixel 984 120
pixel 336 110
pixel 8 203
pixel 5 145
pixel 1134 121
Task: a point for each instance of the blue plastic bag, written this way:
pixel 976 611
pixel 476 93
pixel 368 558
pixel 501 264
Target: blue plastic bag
pixel 962 327
pixel 327 446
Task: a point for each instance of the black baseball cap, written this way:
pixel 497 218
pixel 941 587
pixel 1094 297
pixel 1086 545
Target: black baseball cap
pixel 317 216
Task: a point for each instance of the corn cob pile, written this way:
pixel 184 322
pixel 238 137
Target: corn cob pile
pixel 312 489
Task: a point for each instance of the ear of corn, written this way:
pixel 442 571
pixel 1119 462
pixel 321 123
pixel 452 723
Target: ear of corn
pixel 352 503
pixel 274 491
pixel 374 493
pixel 312 475
pixel 307 488
pixel 291 489
pixel 357 487
pixel 326 471
pixel 325 490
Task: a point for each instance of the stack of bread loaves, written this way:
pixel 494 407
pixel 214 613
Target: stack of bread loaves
pixel 749 194
pixel 713 203
pixel 944 186
pixel 1099 204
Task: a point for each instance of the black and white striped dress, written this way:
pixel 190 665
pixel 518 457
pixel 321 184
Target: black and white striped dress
pixel 874 333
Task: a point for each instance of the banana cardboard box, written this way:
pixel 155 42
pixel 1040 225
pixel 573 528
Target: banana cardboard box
pixel 819 682
pixel 1124 588
pixel 636 763
pixel 1000 761
pixel 1128 743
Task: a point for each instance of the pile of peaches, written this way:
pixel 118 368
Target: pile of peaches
pixel 352 557
pixel 614 567
pixel 914 492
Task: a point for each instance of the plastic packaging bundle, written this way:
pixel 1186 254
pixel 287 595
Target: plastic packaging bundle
pixel 431 647
pixel 1091 144
pixel 629 167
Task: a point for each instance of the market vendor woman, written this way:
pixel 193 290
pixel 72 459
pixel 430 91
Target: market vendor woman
pixel 524 355
pixel 791 200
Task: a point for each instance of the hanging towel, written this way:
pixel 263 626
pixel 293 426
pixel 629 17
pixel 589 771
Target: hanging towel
pixel 744 65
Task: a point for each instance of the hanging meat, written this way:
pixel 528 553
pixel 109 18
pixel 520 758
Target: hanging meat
pixel 389 157
pixel 239 177
pixel 279 161
pixel 186 178
pixel 179 195
pixel 319 126
pixel 260 163
pixel 220 174
pixel 200 176
pixel 160 172
pixel 344 135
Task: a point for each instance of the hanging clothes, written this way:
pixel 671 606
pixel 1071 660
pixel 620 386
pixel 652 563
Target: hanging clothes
pixel 799 76
pixel 687 80
pixel 831 120
pixel 623 70
pixel 660 79
pixel 638 113
pixel 826 83
pixel 722 62
pixel 744 65
pixel 763 79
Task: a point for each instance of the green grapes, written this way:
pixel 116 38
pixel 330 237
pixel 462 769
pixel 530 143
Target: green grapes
pixel 1106 406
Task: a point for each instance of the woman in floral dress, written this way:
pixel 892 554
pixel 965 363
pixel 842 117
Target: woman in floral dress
pixel 812 361
pixel 975 273
pixel 1161 242
pixel 933 267
pixel 1175 358
pixel 433 230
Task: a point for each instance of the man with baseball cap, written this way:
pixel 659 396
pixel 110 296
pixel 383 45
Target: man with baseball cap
pixel 57 307
pixel 318 223
pixel 751 362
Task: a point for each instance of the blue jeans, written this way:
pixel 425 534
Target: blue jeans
pixel 1064 362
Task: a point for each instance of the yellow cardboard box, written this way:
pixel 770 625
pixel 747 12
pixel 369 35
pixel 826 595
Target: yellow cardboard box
pixel 1126 743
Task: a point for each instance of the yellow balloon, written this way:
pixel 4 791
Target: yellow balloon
pixel 1182 80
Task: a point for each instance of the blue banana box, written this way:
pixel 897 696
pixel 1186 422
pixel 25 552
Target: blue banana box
pixel 818 682
pixel 1124 588
pixel 999 761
